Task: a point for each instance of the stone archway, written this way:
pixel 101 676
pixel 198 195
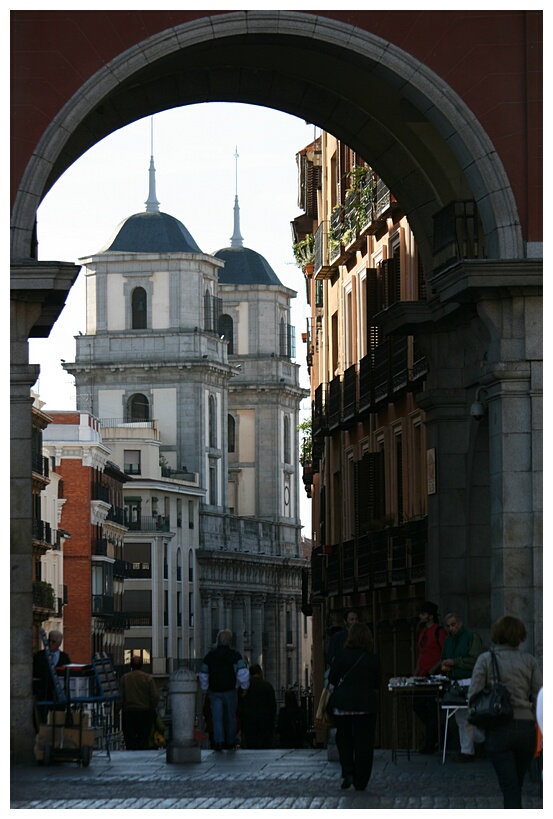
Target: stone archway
pixel 417 133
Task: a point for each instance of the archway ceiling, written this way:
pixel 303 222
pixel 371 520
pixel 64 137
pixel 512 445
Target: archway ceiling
pixel 347 94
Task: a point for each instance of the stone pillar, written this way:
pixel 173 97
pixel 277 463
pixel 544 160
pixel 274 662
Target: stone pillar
pixel 22 734
pixel 271 662
pixel 37 296
pixel 257 629
pixel 238 622
pixel 183 687
pixel 205 623
pixel 458 511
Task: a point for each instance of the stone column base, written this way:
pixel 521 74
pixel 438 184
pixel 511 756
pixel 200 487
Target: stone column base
pixel 178 754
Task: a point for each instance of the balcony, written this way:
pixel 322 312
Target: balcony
pixel 138 619
pixel 40 464
pixel 458 235
pixel 334 403
pixel 349 395
pixel 42 531
pixel 323 267
pixel 99 492
pixel 44 596
pixel 117 515
pixel 100 547
pixel 102 605
pixel 157 523
pixel 122 568
pixel 320 422
pixel 119 621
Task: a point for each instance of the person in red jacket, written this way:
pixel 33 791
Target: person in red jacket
pixel 430 642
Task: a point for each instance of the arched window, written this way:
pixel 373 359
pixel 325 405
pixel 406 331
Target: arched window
pixel 138 408
pixel 139 309
pixel 231 425
pixel 212 422
pixel 287 448
pixel 191 566
pixel 179 565
pixel 226 329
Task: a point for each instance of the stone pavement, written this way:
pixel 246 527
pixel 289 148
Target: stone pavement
pixel 273 779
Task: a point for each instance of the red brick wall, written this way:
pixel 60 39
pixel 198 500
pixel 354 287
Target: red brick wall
pixel 492 59
pixel 77 614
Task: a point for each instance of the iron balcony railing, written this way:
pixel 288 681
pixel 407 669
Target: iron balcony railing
pixel 135 619
pixel 40 464
pixel 102 605
pixel 43 595
pixel 458 234
pixel 42 530
pixel 158 523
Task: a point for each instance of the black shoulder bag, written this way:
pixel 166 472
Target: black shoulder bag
pixel 330 704
pixel 491 706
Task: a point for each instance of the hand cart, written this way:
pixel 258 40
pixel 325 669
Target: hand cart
pixel 81 707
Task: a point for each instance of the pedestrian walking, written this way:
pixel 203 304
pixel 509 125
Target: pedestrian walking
pixel 510 745
pixel 139 698
pixel 222 673
pixel 257 711
pixel 355 675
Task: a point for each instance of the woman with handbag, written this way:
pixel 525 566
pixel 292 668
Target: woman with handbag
pixel 509 743
pixel 355 675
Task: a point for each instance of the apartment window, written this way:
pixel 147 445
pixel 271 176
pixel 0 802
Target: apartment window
pixel 179 564
pixel 399 477
pixel 226 329
pixel 348 326
pixel 231 425
pixel 138 408
pixel 139 308
pixel 139 556
pixel 131 460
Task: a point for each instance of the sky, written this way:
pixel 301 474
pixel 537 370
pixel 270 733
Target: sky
pixel 197 174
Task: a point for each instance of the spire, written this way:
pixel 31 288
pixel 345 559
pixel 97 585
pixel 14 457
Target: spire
pixel 236 239
pixel 152 205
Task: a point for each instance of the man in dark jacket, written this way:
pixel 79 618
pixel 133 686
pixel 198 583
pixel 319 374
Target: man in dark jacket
pixel 43 681
pixel 462 647
pixel 139 702
pixel 258 711
pixel 222 672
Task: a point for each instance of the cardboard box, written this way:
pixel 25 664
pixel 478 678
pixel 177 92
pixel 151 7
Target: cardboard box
pixel 63 740
pixel 58 718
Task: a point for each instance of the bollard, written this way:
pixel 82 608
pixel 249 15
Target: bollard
pixel 183 685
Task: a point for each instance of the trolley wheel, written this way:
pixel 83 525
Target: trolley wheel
pixel 46 754
pixel 85 755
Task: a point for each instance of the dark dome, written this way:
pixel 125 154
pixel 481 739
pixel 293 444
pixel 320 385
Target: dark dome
pixel 244 266
pixel 152 232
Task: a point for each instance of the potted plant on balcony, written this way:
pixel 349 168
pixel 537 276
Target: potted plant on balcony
pixel 306 443
pixel 304 251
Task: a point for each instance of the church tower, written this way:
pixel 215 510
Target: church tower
pixel 187 363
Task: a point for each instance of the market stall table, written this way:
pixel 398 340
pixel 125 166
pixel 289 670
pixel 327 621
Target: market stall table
pixel 406 689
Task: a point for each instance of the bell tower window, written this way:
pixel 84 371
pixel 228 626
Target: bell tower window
pixel 139 309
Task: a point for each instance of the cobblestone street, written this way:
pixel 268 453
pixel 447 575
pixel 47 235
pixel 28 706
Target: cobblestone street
pixel 272 779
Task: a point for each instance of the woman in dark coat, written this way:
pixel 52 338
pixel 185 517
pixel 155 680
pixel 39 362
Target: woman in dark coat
pixel 355 675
